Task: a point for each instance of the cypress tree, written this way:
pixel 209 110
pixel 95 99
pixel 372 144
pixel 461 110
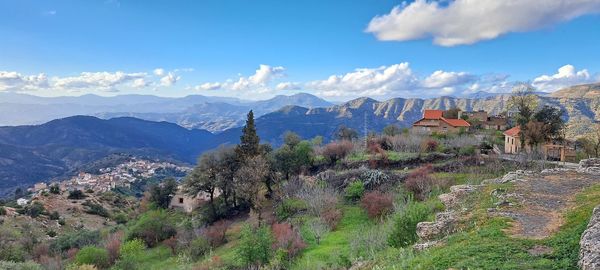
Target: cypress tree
pixel 249 141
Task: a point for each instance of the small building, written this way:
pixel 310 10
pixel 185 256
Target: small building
pixel 22 202
pixel 552 151
pixel 189 203
pixel 496 123
pixel 512 143
pixel 434 121
pixel 39 187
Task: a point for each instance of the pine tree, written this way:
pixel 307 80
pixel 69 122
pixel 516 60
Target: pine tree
pixel 249 141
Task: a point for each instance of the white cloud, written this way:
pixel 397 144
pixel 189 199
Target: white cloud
pixel 461 22
pixel 263 75
pixel 169 80
pixel 209 86
pixel 441 79
pixel 105 81
pixel 379 81
pixel 14 81
pixel 288 86
pixel 159 72
pixel 566 76
pixel 140 83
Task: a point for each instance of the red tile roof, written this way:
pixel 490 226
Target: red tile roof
pixel 456 122
pixel 433 114
pixel 513 132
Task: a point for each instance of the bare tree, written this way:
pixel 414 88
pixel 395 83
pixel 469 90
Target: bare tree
pixel 523 101
pixel 318 229
pixel 251 176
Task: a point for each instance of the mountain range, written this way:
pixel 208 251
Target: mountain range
pixel 214 114
pixel 33 153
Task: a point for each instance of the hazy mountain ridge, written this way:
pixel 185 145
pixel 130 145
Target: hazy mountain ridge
pixel 203 112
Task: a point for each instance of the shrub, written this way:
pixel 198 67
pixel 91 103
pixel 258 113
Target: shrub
pixel 215 234
pixel 2 211
pixel 467 151
pixel 94 256
pixel 199 247
pixel 15 253
pixel 77 239
pixel 337 150
pixel 51 233
pixel 331 217
pixel 33 210
pixel 374 178
pixel 318 198
pixel 81 267
pixel 404 231
pixel 95 209
pixel 171 243
pixel 54 215
pixel 429 146
pixel 152 227
pixel 132 248
pixel 20 265
pixel 289 207
pixel 120 218
pixel 54 189
pixel 354 191
pixel 76 195
pixel 254 248
pixel 377 204
pixel 318 229
pixel 420 182
pixel 40 250
pixel 287 239
pixel 113 246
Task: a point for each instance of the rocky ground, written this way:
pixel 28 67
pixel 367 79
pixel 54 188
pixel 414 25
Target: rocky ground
pixel 536 201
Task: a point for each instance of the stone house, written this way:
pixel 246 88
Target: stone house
pixel 189 203
pixel 434 121
pixel 551 150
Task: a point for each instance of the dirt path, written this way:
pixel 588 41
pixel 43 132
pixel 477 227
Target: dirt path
pixel 539 201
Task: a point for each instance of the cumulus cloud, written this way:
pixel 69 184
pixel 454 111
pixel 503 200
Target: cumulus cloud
pixel 263 75
pixel 107 81
pixel 288 86
pixel 14 81
pixel 441 79
pixel 169 80
pixel 209 86
pixel 461 22
pixel 379 81
pixel 159 72
pixel 260 82
pixel 141 83
pixel 566 76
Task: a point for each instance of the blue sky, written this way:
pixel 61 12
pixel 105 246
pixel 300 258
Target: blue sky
pixel 217 47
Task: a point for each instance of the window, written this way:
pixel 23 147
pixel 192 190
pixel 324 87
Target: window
pixel 180 200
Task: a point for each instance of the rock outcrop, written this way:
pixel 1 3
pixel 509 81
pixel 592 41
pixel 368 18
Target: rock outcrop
pixel 589 251
pixel 589 166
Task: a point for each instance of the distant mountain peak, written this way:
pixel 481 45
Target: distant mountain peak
pixel 591 90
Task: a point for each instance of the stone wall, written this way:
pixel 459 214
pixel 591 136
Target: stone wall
pixel 589 251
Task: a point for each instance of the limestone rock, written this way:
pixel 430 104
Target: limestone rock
pixel 442 226
pixel 589 251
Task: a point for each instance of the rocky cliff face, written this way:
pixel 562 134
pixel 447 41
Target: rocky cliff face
pixel 589 251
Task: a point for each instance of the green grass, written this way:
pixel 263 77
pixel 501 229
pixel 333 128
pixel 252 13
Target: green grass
pixel 334 249
pixel 398 156
pixel 484 245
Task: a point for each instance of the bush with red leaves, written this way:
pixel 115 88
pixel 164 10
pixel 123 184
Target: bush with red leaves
pixel 113 245
pixel 429 146
pixel 335 151
pixel 420 182
pixel 215 234
pixel 377 204
pixel 287 238
pixel 331 217
pixel 171 243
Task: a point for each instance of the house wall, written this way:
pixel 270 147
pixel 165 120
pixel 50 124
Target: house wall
pixel 511 145
pixel 438 126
